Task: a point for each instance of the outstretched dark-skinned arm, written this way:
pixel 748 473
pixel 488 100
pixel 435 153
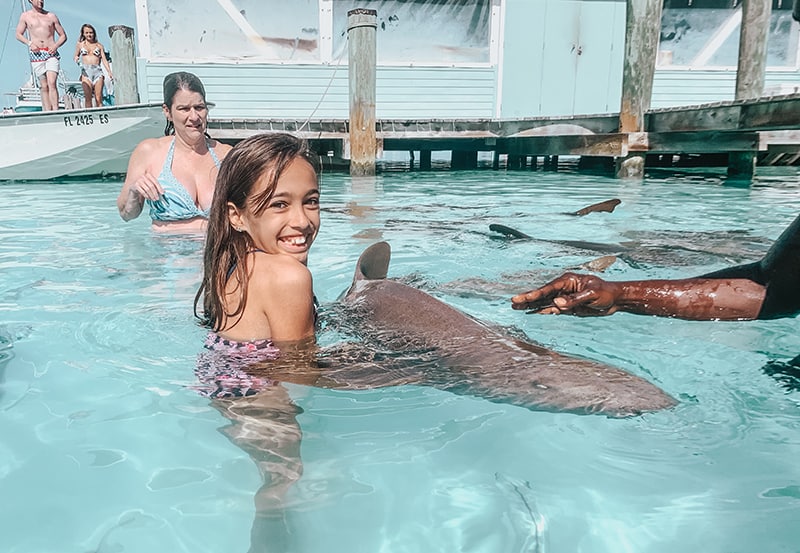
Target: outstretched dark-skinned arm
pixel 766 289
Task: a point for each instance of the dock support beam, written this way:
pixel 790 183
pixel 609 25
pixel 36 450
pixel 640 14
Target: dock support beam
pixel 642 32
pixel 750 72
pixel 550 163
pixel 362 27
pixel 463 159
pixel 425 163
pixel 126 91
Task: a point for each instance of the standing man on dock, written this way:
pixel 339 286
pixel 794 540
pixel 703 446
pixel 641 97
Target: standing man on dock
pixel 42 26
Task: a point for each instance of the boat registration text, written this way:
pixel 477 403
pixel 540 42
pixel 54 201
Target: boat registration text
pixel 85 119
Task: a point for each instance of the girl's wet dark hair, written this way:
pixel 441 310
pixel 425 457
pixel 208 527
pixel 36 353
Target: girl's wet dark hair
pixel 262 155
pixel 83 37
pixel 180 80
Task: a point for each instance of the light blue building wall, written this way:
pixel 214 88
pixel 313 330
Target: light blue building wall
pixel 562 57
pixel 321 92
pixel 289 59
pixel 681 88
pixel 469 59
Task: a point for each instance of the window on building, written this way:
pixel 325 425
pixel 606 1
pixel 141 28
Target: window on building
pixel 704 34
pixel 423 31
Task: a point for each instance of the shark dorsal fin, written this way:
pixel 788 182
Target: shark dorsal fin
pixel 607 206
pixel 374 262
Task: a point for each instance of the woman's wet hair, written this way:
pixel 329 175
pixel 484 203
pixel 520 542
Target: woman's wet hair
pixel 83 37
pixel 256 157
pixel 180 80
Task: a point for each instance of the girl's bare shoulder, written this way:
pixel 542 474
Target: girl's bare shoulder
pixel 278 274
pixel 282 267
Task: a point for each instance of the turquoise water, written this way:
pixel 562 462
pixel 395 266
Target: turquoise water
pixel 103 447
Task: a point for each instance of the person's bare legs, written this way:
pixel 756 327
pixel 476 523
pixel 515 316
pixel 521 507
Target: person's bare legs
pixel 266 428
pixel 98 92
pixel 87 92
pixel 44 92
pixel 49 91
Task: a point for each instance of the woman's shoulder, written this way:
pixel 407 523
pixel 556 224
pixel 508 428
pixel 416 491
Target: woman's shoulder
pixel 150 152
pixel 220 148
pixel 154 145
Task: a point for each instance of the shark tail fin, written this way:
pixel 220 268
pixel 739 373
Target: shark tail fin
pixel 508 231
pixel 374 262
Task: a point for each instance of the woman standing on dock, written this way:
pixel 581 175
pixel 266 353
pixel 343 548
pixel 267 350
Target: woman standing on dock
pixel 175 174
pixel 89 54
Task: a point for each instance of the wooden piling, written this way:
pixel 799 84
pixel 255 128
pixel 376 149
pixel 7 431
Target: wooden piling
pixel 550 163
pixel 750 72
pixel 123 57
pixel 642 32
pixel 362 27
pixel 514 161
pixel 463 159
pixel 425 162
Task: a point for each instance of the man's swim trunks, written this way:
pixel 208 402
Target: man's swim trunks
pixel 43 60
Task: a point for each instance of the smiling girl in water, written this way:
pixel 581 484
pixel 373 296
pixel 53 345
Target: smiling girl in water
pixel 258 303
pixel 257 290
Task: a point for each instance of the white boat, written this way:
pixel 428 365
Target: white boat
pixel 72 141
pixel 77 142
pixel 29 97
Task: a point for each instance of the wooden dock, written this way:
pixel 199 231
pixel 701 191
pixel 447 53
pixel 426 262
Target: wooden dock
pixel 755 126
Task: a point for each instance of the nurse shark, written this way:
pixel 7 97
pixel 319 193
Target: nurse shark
pixel 476 359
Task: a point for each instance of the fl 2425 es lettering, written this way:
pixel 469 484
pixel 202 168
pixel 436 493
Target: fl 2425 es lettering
pixel 85 119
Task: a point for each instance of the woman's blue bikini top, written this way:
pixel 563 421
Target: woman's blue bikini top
pixel 176 204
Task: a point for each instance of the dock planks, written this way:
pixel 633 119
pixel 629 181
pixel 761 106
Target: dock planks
pixel 719 127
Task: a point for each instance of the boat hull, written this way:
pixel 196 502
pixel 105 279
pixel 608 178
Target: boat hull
pixel 72 143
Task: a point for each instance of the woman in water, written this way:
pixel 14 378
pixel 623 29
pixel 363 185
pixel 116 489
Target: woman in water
pixel 89 54
pixel 175 174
